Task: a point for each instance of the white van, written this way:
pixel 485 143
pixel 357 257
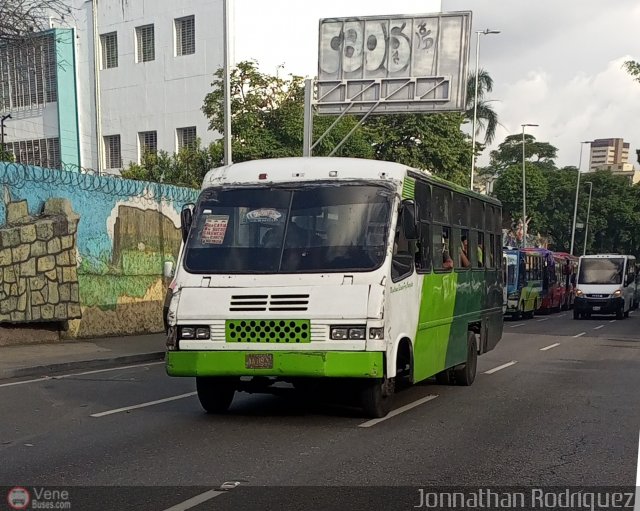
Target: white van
pixel 606 285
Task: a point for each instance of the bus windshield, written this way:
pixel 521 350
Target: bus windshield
pixel 315 228
pixel 601 271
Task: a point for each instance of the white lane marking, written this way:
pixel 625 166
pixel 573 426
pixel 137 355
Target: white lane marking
pixel 543 319
pixel 637 505
pixel 143 405
pixel 550 346
pixel 612 321
pixel 398 411
pixel 561 315
pixel 195 501
pixel 44 378
pixel 599 327
pixel 580 334
pixel 516 326
pixel 25 381
pixel 499 368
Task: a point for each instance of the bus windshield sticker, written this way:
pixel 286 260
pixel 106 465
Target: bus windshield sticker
pixel 264 215
pixel 214 229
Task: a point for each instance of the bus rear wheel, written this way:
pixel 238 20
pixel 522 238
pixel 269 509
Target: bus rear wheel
pixel 466 374
pixel 376 397
pixel 215 393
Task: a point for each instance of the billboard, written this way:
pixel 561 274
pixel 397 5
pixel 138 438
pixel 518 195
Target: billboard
pixel 399 64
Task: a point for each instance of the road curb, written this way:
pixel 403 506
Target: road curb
pixel 100 363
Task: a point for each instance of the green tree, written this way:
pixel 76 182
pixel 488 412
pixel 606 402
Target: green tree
pixel 5 155
pixel 508 189
pixel 267 122
pixel 633 68
pixel 431 142
pixel 509 152
pixel 267 117
pixel 187 167
pixel 486 116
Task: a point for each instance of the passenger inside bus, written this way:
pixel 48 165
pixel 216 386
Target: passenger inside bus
pixel 464 250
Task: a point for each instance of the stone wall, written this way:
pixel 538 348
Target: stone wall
pixel 38 268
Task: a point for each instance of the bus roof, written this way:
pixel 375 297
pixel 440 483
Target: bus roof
pixel 281 170
pixel 606 256
pixel 319 168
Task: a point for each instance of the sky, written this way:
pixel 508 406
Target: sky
pixel 556 63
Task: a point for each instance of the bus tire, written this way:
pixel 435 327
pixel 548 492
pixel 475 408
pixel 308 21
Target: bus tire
pixel 466 374
pixel 626 313
pixel 215 393
pixel 376 397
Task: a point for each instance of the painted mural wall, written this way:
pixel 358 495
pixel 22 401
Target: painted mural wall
pixel 125 231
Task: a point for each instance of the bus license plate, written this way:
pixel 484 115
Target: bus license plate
pixel 259 361
pixel 596 308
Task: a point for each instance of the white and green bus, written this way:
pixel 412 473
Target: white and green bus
pixel 358 272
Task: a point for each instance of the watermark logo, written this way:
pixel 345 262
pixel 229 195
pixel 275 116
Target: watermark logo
pixel 18 498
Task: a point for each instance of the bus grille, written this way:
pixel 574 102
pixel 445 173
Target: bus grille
pixel 262 303
pixel 280 330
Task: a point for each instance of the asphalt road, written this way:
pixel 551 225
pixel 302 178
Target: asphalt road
pixel 562 409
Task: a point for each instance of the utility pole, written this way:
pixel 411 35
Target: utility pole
pixel 2 119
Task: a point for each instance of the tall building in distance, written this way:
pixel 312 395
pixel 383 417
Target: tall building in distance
pixel 608 151
pixel 612 154
pixel 111 82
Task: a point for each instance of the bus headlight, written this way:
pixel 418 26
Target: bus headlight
pixel 376 333
pixel 354 333
pixel 195 332
pixel 617 293
pixel 579 292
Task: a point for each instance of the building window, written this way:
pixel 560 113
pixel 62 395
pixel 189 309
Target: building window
pixel 28 74
pixel 186 137
pixel 112 154
pixel 44 152
pixel 148 141
pixel 109 43
pixel 145 43
pixel 185 36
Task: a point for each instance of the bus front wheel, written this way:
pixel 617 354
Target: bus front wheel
pixel 466 374
pixel 377 397
pixel 215 394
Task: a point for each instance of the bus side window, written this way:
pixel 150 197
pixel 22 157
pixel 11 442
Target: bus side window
pixel 480 249
pixel 423 253
pixel 441 248
pixel 492 244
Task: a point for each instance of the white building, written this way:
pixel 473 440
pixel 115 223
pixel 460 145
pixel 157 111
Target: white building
pixel 121 76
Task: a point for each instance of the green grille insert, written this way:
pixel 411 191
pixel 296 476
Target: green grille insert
pixel 288 331
pixel 409 188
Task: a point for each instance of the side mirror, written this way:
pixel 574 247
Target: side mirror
pixel 409 223
pixel 168 269
pixel 186 218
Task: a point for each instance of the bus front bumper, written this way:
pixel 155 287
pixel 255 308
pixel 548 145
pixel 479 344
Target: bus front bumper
pixel 599 305
pixel 336 364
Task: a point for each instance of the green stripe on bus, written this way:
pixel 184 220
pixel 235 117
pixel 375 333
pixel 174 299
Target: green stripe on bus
pixel 409 188
pixel 339 364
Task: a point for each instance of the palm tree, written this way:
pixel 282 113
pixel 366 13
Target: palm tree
pixel 486 117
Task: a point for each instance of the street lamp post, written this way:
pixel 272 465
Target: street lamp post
pixel 575 207
pixel 524 190
pixel 586 225
pixel 486 31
